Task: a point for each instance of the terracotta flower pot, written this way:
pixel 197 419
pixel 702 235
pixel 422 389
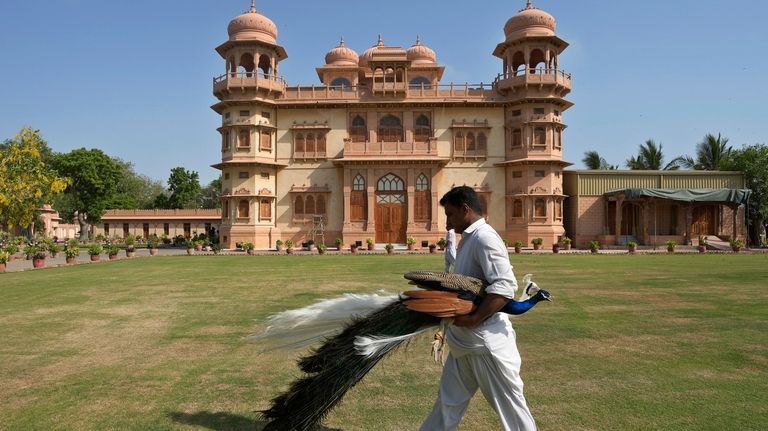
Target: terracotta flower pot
pixel 567 246
pixel 371 246
pixel 735 249
pixel 537 246
pixel 153 251
pixel 38 263
pixel 289 250
pixel 198 248
pixel 411 246
pixel 2 267
pixel 390 251
pixel 353 249
pixel 555 248
pixel 518 250
pixel 251 252
pixel 95 258
pixel 130 253
pixel 112 257
pixel 593 250
pixel 70 260
pixel 702 249
pixel 432 249
pixel 190 250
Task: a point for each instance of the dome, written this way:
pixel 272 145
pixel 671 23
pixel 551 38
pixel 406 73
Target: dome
pixel 341 56
pixel 368 54
pixel 419 53
pixel 252 25
pixel 530 21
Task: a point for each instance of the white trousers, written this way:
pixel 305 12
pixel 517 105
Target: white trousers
pixel 499 381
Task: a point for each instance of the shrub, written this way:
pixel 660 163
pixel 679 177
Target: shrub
pixel 288 243
pixel 537 241
pixel 671 244
pixel 737 243
pixel 278 243
pixel 72 251
pixel 113 249
pixel 321 248
pixel 567 240
pixel 594 245
pixel 338 242
pixel 248 246
pixel 4 257
pixel 518 244
pixel 442 242
pixel 369 241
pixel 95 249
pixel 410 240
pixel 389 246
pixel 631 244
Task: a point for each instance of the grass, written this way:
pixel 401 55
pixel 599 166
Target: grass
pixel 647 342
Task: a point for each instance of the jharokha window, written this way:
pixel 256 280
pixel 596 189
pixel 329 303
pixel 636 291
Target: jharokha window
pixel 517 138
pixel 265 209
pixel 540 208
pixel 469 143
pixel 539 137
pixel 358 200
pixel 243 210
pixel 244 138
pixel 225 141
pixel 390 129
pixel 358 132
pixel 266 141
pixel 309 145
pixel 422 128
pixel 517 208
pixel 422 207
pixel 308 205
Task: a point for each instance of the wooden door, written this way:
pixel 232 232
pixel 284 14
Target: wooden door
pixel 391 223
pixel 704 220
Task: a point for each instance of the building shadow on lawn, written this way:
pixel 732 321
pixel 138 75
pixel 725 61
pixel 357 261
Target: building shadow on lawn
pixel 222 421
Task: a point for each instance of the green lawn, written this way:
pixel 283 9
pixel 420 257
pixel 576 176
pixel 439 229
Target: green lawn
pixel 647 342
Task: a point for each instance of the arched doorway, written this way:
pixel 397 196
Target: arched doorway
pixel 391 210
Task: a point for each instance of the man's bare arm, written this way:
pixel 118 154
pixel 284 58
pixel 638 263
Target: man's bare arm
pixel 491 304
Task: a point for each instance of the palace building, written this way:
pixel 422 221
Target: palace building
pixel 369 151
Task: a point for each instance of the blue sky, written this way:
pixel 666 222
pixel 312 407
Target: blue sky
pixel 134 77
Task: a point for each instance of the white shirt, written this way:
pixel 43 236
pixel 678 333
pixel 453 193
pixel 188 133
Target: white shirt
pixel 482 254
pixel 450 249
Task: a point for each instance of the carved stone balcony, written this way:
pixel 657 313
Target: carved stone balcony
pixel 534 77
pixel 242 81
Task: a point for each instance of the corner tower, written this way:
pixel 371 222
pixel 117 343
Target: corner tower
pixel 533 89
pixel 247 92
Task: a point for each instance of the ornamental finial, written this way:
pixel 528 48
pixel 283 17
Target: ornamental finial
pixel 381 41
pixel 253 6
pixel 341 42
pixel 529 5
pixel 418 40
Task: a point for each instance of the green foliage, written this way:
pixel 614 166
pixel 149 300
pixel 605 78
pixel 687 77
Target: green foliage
pixel 752 160
pixel 94 182
pixel 321 248
pixel 369 241
pixel 183 189
pixel 278 243
pixel 113 249
pixel 26 179
pixel 631 244
pixel 389 246
pixel 153 241
pixel 593 161
pixel 134 191
pixel 537 241
pixel 737 243
pixel 72 251
pixel 248 246
pixel 518 244
pixel 594 245
pixel 566 240
pixel 210 195
pixel 671 244
pixel 288 243
pixel 442 242
pixel 4 257
pixel 338 242
pixel 410 240
pixel 95 249
pixel 711 154
pixel 650 157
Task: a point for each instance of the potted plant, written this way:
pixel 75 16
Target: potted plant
pixel 249 248
pixel 11 248
pixel 631 247
pixel 432 248
pixel 321 248
pixel 4 258
pixel 594 246
pixel 441 243
pixel 38 256
pixel 736 245
pixel 537 242
pixel 671 244
pixel 567 243
pixel 390 248
pixel 411 241
pixel 190 246
pixel 369 242
pixel 353 248
pixel 702 246
pixel 555 247
pixel 279 245
pixel 112 251
pixel 71 253
pixel 310 245
pixel 338 243
pixel 199 245
pixel 130 245
pixel 94 250
pixel 289 246
pixel 518 247
pixel 54 249
pixel 152 242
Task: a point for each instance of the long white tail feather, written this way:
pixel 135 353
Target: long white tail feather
pixel 294 329
pixel 529 288
pixel 374 345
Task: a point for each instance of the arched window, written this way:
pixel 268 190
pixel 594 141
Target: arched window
pixel 265 210
pixel 390 183
pixel 247 65
pixel 423 129
pixel 320 205
pixel 266 141
pixel 358 132
pixel 518 63
pixel 458 143
pixel 420 82
pixel 559 138
pixel 471 143
pixel 559 210
pixel 482 142
pixel 539 137
pixel 517 208
pixel 244 138
pixel 310 143
pixel 298 144
pixel 341 82
pixel 390 129
pixel 517 138
pixel 540 208
pixel 358 199
pixel 422 207
pixel 298 206
pixel 265 64
pixel 243 209
pixel 309 205
pixel 225 141
pixel 537 61
pixel 320 144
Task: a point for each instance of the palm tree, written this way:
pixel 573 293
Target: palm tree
pixel 710 154
pixel 650 157
pixel 593 161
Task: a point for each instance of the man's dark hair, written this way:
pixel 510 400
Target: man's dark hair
pixel 461 195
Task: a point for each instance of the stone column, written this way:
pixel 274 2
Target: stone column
pixel 410 191
pixel 688 222
pixel 619 207
pixel 370 184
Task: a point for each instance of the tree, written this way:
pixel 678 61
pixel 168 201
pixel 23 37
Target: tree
pixel 650 157
pixel 134 191
pixel 26 181
pixel 711 154
pixel 593 161
pixel 210 196
pixel 183 188
pixel 752 161
pixel 95 177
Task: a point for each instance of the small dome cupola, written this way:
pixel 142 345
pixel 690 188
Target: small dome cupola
pixel 368 54
pixel 530 21
pixel 341 56
pixel 252 25
pixel 419 53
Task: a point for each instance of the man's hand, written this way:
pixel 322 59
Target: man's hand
pixel 490 305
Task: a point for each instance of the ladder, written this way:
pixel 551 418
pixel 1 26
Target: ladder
pixel 318 229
